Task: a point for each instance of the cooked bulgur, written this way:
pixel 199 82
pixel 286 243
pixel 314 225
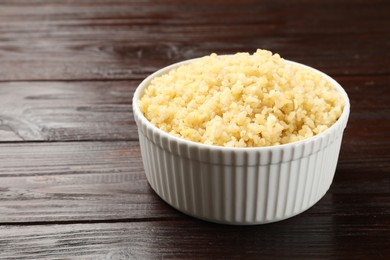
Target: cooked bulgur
pixel 242 100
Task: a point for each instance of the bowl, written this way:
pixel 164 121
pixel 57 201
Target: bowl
pixel 239 186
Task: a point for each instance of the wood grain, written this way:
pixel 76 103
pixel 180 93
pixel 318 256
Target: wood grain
pixel 297 238
pixel 75 181
pixel 68 40
pixel 53 111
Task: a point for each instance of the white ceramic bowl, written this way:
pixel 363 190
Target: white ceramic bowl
pixel 240 186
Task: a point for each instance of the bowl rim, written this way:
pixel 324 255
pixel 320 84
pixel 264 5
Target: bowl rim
pixel 139 115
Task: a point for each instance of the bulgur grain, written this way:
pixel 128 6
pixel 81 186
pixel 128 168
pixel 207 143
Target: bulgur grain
pixel 242 100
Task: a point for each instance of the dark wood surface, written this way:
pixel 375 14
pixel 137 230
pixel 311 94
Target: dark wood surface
pixel 72 184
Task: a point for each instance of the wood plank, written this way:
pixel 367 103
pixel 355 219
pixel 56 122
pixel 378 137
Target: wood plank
pixel 318 237
pixel 75 181
pixel 129 40
pixel 101 110
pixel 54 111
pixel 89 181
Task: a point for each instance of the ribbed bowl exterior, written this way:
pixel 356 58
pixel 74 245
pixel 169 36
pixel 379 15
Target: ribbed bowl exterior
pixel 241 186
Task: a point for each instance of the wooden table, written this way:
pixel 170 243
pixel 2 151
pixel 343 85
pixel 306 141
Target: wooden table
pixel 72 184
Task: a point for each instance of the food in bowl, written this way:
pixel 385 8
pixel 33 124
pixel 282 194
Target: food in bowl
pixel 242 100
pixel 245 181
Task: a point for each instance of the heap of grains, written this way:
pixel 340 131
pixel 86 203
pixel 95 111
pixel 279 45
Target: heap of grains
pixel 242 100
